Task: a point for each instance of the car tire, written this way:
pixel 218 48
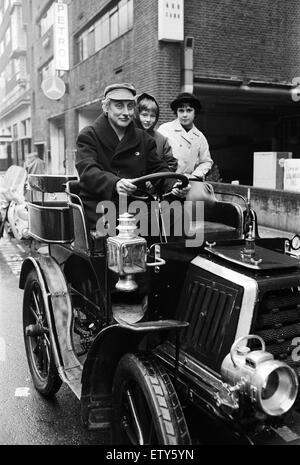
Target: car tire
pixel 39 353
pixel 142 390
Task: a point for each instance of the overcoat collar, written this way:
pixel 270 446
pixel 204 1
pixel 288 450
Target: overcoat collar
pixel 184 134
pixel 109 138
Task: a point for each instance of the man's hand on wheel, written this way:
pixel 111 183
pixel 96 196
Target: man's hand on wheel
pixel 125 187
pixel 181 193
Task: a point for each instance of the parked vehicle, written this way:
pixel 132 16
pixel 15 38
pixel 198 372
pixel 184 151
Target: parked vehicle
pixel 207 355
pixel 13 207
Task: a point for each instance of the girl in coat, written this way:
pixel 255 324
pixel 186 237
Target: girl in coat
pixel 189 145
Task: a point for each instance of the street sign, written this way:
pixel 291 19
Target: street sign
pixel 61 37
pixel 292 175
pixel 53 87
pixel 170 20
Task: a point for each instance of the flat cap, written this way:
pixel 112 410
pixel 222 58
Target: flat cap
pixel 123 91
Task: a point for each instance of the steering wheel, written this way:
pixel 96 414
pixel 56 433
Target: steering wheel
pixel 163 175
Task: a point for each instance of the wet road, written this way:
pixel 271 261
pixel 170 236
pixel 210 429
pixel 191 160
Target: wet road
pixel 26 417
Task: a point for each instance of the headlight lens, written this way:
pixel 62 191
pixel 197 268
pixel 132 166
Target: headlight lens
pixel 295 242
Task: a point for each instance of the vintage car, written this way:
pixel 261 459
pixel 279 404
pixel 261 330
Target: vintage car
pixel 164 341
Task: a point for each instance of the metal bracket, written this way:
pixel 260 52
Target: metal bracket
pixel 158 260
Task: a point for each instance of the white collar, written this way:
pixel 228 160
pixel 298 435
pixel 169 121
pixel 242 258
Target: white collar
pixel 178 127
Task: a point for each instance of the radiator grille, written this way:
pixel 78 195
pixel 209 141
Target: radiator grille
pixel 278 323
pixel 208 311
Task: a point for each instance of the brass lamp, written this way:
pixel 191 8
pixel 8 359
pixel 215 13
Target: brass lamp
pixel 271 385
pixel 127 253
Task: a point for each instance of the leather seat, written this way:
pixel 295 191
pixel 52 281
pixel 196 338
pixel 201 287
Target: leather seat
pixel 222 220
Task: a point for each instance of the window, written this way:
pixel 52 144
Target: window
pixel 9 71
pixel 28 127
pixel 15 131
pixel 25 128
pixel 47 70
pixel 7 37
pixel 82 46
pixel 2 82
pixel 130 13
pixel 125 16
pixel 91 41
pixel 105 30
pixel 47 20
pixel 114 23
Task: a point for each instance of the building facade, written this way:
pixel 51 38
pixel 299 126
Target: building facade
pixel 15 108
pixel 240 58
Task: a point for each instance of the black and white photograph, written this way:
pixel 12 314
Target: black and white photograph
pixel 150 226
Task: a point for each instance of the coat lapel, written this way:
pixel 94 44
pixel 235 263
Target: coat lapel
pixel 109 138
pixel 129 142
pixel 187 136
pixel 105 133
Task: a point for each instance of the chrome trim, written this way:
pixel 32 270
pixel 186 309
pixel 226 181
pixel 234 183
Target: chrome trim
pixel 80 207
pixel 250 291
pixel 252 264
pixel 50 241
pixel 42 207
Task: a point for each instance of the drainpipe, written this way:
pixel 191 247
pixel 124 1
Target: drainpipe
pixel 188 66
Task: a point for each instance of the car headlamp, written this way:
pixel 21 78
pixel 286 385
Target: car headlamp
pixel 127 253
pixel 271 385
pixel 295 242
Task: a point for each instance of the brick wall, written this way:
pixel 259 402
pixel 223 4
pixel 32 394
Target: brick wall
pixel 248 39
pixel 293 39
pixel 253 39
pixel 136 57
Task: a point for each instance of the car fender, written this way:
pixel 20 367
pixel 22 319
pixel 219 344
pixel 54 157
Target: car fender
pixel 59 315
pixel 107 349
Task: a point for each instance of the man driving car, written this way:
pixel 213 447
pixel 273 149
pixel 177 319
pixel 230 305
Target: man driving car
pixel 111 152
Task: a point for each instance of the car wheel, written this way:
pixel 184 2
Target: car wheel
pixel 145 404
pixel 37 339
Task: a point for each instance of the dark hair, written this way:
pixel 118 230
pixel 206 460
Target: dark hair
pixel 187 98
pixel 147 104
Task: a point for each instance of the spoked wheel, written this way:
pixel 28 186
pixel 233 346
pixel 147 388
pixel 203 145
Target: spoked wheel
pixel 145 404
pixel 37 340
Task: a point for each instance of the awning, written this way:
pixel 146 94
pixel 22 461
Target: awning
pixel 253 92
